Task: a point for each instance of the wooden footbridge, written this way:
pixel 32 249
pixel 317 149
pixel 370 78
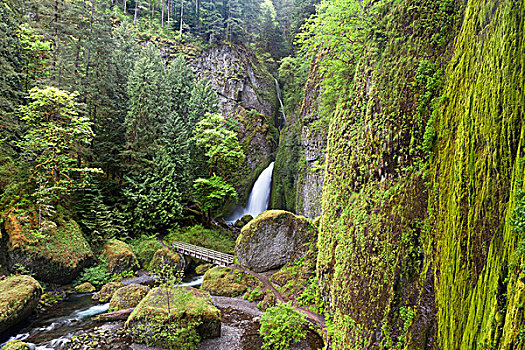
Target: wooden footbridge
pixel 205 254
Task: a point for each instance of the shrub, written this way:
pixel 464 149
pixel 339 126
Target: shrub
pixel 281 326
pixel 97 275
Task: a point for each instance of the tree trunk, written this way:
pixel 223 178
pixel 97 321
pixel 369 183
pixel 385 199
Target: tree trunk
pixel 181 16
pixel 125 6
pixel 162 14
pixel 136 11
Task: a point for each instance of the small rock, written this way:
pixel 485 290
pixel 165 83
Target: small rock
pixel 85 287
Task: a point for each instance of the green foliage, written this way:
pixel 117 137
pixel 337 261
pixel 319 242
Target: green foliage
pixel 148 108
pixel 221 144
pixel 213 192
pixel 216 239
pixel 282 326
pixel 144 248
pixel 97 275
pixel 518 223
pixel 36 53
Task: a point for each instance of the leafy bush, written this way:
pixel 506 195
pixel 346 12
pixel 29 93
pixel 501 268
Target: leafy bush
pixel 281 326
pixel 97 275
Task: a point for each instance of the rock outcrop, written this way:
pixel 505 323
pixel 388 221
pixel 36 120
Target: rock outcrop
pixel 271 240
pixel 120 256
pixel 56 255
pixel 246 93
pixel 128 297
pixel 175 309
pixel 299 164
pixel 19 297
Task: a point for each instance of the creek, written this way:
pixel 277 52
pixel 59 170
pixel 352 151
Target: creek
pixel 52 328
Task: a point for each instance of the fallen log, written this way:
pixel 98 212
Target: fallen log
pixel 120 315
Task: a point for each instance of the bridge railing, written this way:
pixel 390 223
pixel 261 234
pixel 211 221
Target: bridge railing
pixel 205 254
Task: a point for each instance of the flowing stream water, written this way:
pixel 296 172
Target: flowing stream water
pixel 51 329
pixel 259 196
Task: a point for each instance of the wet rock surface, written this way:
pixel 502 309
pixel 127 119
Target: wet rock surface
pixel 271 239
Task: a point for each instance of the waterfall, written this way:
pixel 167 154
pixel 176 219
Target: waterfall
pixel 278 89
pixel 259 197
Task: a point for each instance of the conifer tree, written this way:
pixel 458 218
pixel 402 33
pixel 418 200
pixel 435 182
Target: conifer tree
pixel 149 106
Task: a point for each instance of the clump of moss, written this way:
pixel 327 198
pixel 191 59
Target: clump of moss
pixel 19 296
pixel 128 297
pixel 16 345
pixel 85 287
pixel 120 256
pixel 227 281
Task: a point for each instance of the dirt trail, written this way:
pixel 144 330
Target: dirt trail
pixel 314 318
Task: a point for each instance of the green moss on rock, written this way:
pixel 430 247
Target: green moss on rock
pixel 16 345
pixel 120 256
pixel 228 282
pixel 85 287
pixel 128 297
pixel 19 297
pixel 106 292
pixel 271 240
pixel 166 308
pixel 145 249
pixel 56 255
pixel 166 256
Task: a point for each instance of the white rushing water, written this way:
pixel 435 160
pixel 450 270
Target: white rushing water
pixel 259 197
pixel 278 89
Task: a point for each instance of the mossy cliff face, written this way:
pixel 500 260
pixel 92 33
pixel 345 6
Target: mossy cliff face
pixel 299 164
pixel 416 245
pixel 56 255
pixel 476 173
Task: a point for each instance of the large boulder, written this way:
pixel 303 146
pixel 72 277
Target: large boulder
pixel 120 256
pixel 56 255
pixel 128 297
pixel 145 249
pixel 228 282
pixel 271 239
pixel 19 297
pixel 180 311
pixel 165 256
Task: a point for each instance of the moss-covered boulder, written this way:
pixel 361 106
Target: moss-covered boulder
pixel 128 297
pixel 182 312
pixel 56 255
pixel 120 256
pixel 85 287
pixel 107 291
pixel 271 239
pixel 145 249
pixel 16 345
pixel 228 282
pixel 203 268
pixel 19 296
pixel 243 221
pixel 165 256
